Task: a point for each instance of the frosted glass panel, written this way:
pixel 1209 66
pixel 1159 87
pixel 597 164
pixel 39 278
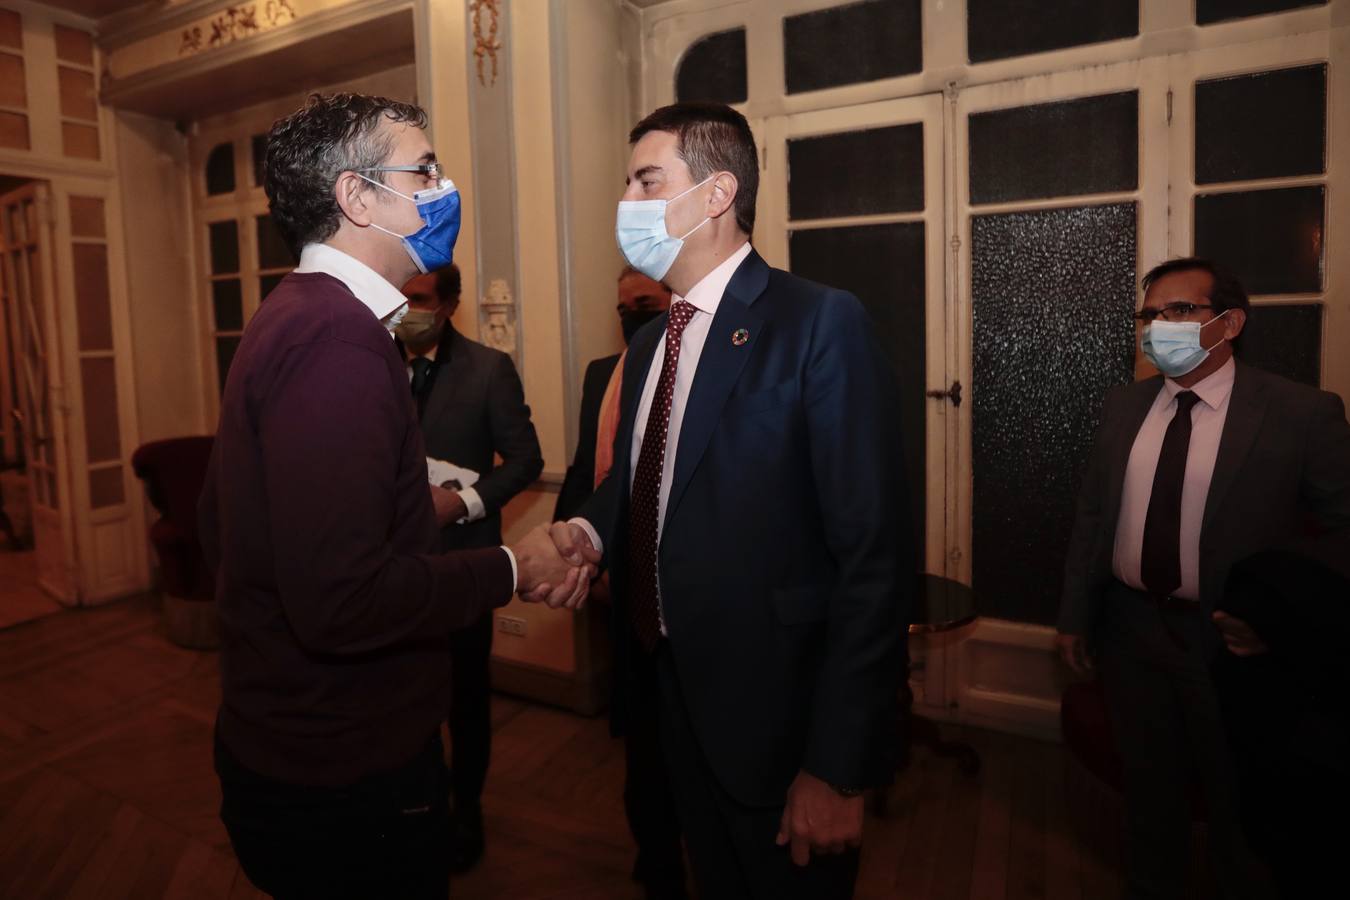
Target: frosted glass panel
pixel 98 380
pixel 854 173
pixel 94 318
pixel 106 488
pixel 713 69
pixel 1053 293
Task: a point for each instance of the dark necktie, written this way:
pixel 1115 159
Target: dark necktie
pixel 421 372
pixel 1160 562
pixel 646 499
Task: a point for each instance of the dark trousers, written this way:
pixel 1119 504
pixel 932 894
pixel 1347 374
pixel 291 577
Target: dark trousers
pixel 470 715
pixel 648 797
pixel 383 837
pixel 1154 662
pixel 732 847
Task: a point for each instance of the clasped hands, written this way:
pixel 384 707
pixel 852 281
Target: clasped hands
pixel 555 565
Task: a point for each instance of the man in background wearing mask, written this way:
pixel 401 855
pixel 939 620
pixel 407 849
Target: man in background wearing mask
pixel 336 606
pixel 1191 471
pixel 753 525
pixel 641 300
pixel 647 794
pixel 472 408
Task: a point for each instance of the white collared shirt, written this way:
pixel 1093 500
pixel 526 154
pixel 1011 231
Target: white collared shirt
pixel 388 305
pixel 1207 420
pixel 370 287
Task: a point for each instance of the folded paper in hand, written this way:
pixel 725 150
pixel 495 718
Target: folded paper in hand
pixel 447 474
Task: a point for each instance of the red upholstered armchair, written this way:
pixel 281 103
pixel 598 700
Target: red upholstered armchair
pixel 173 471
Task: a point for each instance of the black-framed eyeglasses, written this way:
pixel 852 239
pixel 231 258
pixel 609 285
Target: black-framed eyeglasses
pixel 430 170
pixel 1172 312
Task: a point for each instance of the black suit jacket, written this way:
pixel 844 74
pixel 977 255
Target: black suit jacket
pixel 475 410
pixel 1284 454
pixel 786 561
pixel 579 483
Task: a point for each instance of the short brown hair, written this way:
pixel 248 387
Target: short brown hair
pixel 711 137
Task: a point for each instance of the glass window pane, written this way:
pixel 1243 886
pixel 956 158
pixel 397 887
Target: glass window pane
pixel 12 86
pixel 1285 339
pixel 225 348
pixel 105 487
pixel 11 29
pixel 94 317
pixel 853 43
pixel 266 283
pixel 883 265
pixel 853 173
pixel 997 29
pixel 272 250
pixel 224 247
pixel 86 217
pixel 79 141
pixel 220 170
pixel 1095 142
pixel 78 98
pixel 258 145
pixel 228 302
pixel 13 130
pixel 102 436
pixel 1271 240
pixel 1265 125
pixel 713 68
pixel 73 45
pixel 1208 11
pixel 1053 294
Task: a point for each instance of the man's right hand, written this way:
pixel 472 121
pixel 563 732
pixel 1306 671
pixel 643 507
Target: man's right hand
pixel 1073 651
pixel 543 576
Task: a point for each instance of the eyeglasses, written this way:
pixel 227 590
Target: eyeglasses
pixel 431 170
pixel 1172 312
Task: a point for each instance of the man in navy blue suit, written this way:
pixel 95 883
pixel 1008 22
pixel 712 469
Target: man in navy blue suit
pixel 755 527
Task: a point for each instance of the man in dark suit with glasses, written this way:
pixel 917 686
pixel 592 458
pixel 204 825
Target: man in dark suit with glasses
pixel 1192 470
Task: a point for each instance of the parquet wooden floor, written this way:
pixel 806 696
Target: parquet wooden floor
pixel 107 791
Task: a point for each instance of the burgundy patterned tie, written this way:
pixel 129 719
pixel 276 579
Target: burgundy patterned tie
pixel 646 499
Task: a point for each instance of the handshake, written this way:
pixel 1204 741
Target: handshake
pixel 555 565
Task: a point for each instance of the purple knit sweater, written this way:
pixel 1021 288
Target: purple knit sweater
pixel 316 516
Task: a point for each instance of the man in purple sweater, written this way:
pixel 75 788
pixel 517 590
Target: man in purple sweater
pixel 336 608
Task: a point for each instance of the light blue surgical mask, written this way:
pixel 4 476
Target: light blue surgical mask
pixel 641 231
pixel 432 246
pixel 1174 347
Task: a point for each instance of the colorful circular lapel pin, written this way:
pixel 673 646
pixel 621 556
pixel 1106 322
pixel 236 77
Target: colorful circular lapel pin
pixel 739 337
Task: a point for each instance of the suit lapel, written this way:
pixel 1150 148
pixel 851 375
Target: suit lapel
pixel 1137 404
pixel 449 376
pixel 1246 408
pixel 719 367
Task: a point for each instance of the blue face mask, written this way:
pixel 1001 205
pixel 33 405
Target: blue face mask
pixel 641 231
pixel 1174 347
pixel 432 246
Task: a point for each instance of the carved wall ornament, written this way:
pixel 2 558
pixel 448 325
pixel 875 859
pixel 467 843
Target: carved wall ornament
pixel 485 46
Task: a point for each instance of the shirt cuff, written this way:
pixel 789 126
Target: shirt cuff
pixel 515 570
pixel 473 503
pixel 590 532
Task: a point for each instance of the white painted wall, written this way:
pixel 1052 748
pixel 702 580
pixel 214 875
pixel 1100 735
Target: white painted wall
pixel 152 161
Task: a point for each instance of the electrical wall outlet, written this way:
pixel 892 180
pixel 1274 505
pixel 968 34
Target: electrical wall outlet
pixel 511 625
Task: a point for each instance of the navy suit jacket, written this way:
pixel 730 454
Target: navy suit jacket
pixel 786 559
